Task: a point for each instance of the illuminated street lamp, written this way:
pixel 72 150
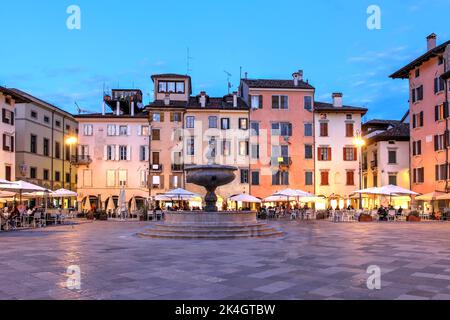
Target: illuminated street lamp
pixel 359 142
pixel 70 141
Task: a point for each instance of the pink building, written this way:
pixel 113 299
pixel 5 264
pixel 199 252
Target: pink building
pixel 429 117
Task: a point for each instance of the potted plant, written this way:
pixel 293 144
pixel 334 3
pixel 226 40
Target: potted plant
pixel 413 216
pixel 365 217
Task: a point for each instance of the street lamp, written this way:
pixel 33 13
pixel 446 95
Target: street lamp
pixel 70 141
pixel 359 142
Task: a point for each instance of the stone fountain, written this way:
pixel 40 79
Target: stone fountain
pixel 210 223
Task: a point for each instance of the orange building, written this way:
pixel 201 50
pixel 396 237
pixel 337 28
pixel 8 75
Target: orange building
pixel 429 94
pixel 282 130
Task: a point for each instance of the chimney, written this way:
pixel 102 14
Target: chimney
pixel 202 99
pixel 132 109
pixel 103 108
pixel 167 99
pixel 431 41
pixel 118 108
pixel 298 76
pixel 337 99
pixel 235 99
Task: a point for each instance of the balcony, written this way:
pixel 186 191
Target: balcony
pixel 365 166
pixel 81 160
pixel 156 167
pixel 373 164
pixel 281 161
pixel 177 167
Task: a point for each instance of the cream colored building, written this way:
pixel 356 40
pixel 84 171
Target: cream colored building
pixel 113 151
pixel 337 158
pixel 386 156
pixel 8 100
pixel 42 156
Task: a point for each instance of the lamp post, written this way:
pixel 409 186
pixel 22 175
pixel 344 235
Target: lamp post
pixel 359 142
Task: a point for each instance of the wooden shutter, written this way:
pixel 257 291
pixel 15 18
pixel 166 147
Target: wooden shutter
pixel 436 85
pixel 4 115
pixel 329 154
pixel 12 114
pixel 4 143
pixel 421 118
pixel 436 113
pixel 345 154
pixel 161 181
pixel 139 130
pixel 105 153
pixel 436 146
pixel 12 144
pixel 171 117
pixel 161 114
pixel 260 102
pixel 117 149
pixel 318 154
pixel 128 153
pixel 355 154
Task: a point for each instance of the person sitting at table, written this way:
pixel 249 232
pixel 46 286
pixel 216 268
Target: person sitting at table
pixel 382 213
pixel 399 211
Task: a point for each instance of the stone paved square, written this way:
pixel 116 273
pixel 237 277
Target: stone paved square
pixel 314 260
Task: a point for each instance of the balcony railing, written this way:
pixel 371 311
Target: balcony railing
pixel 281 161
pixel 81 160
pixel 177 167
pixel 156 167
pixel 364 166
pixel 374 164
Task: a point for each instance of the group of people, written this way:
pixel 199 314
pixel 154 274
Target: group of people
pixel 294 212
pixel 383 212
pixel 12 217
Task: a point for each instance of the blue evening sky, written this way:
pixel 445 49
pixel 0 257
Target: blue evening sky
pixel 121 43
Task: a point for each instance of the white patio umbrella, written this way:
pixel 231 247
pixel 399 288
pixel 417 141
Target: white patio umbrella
pixel 122 202
pixel 395 190
pixel 63 193
pixel 3 181
pixel 180 194
pixel 20 187
pixel 133 206
pixel 274 198
pixel 110 206
pixel 245 198
pixel 432 196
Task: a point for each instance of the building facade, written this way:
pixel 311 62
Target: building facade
pixel 281 134
pixel 337 173
pixel 428 106
pixel 42 155
pixel 8 100
pixel 386 158
pixel 113 151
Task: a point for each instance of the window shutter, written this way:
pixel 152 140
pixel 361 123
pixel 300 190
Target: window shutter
pixel 436 147
pixel 117 152
pixel 436 113
pixel 128 153
pixel 12 114
pixel 436 172
pixel 171 117
pixel 345 154
pixel 436 85
pixel 161 182
pixel 4 115
pixel 355 154
pixel 260 102
pixel 116 130
pixel 445 106
pixel 12 144
pixel 421 118
pixel 329 154
pixel 105 153
pixel 4 142
pixel 128 130
pixel 318 154
pixel 139 130
pixel 162 116
pixel 419 147
pixel 414 152
pixel 147 153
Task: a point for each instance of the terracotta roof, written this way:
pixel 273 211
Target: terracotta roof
pixel 323 106
pixel 17 98
pixel 382 122
pixel 276 84
pixel 170 75
pixel 400 132
pixel 110 115
pixel 217 103
pixel 173 104
pixel 403 73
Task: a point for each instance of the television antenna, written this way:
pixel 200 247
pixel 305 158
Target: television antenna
pixel 229 75
pixel 80 111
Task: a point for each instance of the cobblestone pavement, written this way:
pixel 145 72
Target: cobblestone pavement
pixel 315 260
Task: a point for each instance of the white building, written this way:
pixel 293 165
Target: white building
pixel 113 151
pixel 337 159
pixel 386 156
pixel 8 100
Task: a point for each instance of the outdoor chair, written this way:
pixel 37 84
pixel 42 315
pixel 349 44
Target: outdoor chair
pixel 158 215
pixel 391 215
pixel 37 220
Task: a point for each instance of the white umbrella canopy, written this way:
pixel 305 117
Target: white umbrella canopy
pixel 367 191
pixel 133 206
pixel 290 193
pixel 22 186
pixel 245 198
pixel 395 190
pixel 122 201
pixel 432 196
pixel 3 181
pixel 180 194
pixel 64 193
pixel 274 198
pixel 110 206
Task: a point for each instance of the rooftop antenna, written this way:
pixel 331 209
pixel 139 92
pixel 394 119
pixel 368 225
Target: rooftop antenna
pixel 240 73
pixel 80 111
pixel 229 75
pixel 188 61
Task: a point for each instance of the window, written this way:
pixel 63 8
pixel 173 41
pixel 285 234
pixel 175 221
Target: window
pixel 57 176
pixel 8 142
pixel 158 116
pixel 375 180
pixel 145 130
pixel 255 178
pixel 155 158
pixel 123 130
pixel 123 177
pixel 440 60
pixel 418 120
pixel 349 130
pixel 226 147
pixel 418 175
pixel 8 173
pixel 67 127
pixel 212 122
pixel 324 178
pixel 190 120
pixel 440 142
pixel 393 179
pixel 110 152
pixel 33 173
pixel 225 123
pixel 190 146
pixel 308 151
pixel 417 147
pixel 308 178
pixel 111 130
pixel 441 111
pixel 213 146
pixel 243 148
pixel 308 103
pixel 243 123
pixel 143 153
pixel 34 114
pixel 439 84
pixel 175 116
pixel 156 134
pixel 244 176
pixel 350 154
pixel 280 102
pixel 179 87
pixel 417 73
pixel 256 102
pixel 33 143
pixel 280 178
pixel 46 119
pixel 123 153
pixel 7 117
pixel 324 129
pixel 417 94
pixel 111 178
pixel 254 128
pixel 67 152
pixel 441 172
pixel 88 130
pixel 87 178
pixel 349 116
pixel 350 178
pixel 46 174
pixel 282 128
pixel 392 157
pixel 324 154
pixel 57 150
pixel 171 87
pixel 58 123
pixel 254 151
pixel 308 129
pixel 67 177
pixel 143 178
